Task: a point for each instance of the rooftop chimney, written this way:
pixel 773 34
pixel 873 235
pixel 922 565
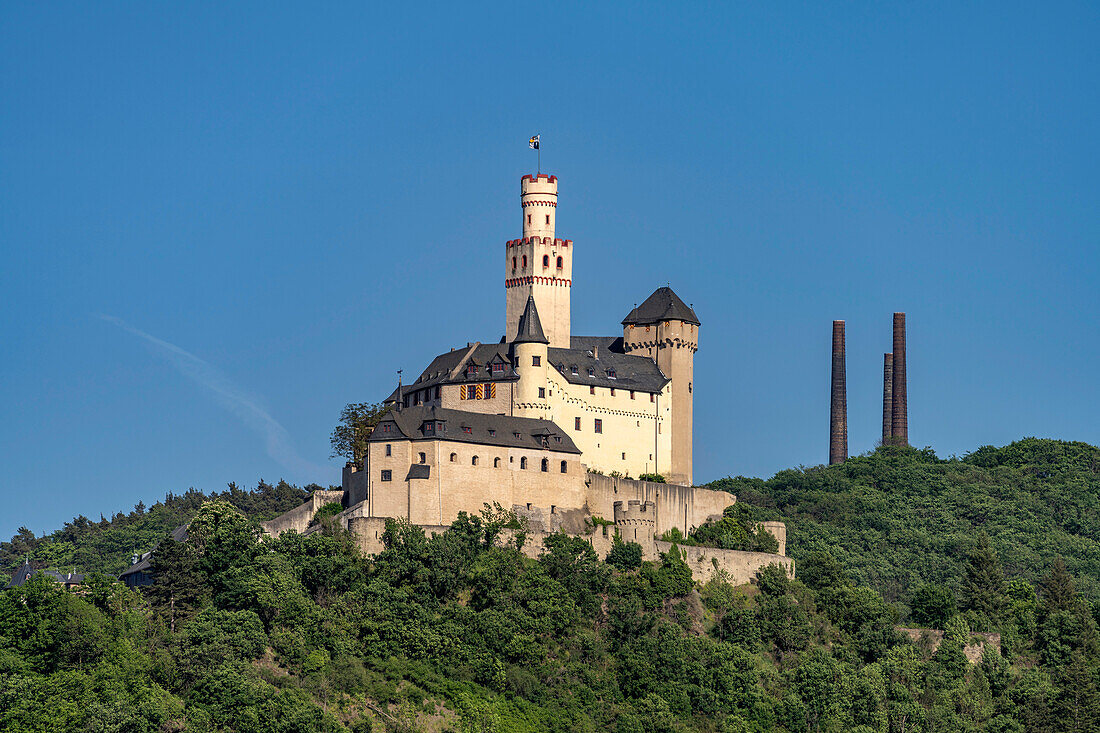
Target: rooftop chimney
pixel 899 429
pixel 838 407
pixel 887 398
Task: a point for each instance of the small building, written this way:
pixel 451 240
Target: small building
pixel 26 572
pixel 140 572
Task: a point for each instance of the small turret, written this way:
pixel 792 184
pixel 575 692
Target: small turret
pixel 636 522
pixel 529 356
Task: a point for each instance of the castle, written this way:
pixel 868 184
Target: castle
pixel 545 423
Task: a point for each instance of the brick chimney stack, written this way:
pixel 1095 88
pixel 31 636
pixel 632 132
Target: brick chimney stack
pixel 887 398
pixel 838 408
pixel 899 430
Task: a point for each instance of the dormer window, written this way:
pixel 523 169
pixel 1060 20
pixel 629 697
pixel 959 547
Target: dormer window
pixel 467 429
pixel 498 367
pixel 429 428
pixel 492 433
pixel 471 370
pixel 611 374
pixel 517 435
pixel 591 372
pixel 574 369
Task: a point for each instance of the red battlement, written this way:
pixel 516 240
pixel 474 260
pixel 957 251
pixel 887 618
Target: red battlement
pixel 537 240
pixel 539 177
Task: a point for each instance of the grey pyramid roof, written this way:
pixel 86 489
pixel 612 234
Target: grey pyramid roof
pixel 530 328
pixel 663 305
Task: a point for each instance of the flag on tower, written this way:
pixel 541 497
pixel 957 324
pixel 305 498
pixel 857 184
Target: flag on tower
pixel 533 143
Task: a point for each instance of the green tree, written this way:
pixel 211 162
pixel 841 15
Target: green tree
pixel 357 420
pixel 983 585
pixel 932 605
pixel 177 582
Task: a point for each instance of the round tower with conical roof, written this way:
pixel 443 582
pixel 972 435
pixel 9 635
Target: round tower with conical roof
pixel 666 329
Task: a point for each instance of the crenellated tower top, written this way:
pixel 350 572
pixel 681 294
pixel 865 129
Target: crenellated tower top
pixel 539 265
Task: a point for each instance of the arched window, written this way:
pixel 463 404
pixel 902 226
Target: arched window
pixel 525 261
pixel 454 457
pixel 523 463
pixel 564 467
pixel 473 461
pixel 546 260
pixel 423 458
pixel 560 263
pixel 545 465
pixel 496 463
pixel 513 263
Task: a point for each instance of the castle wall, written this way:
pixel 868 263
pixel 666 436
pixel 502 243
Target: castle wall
pixel 677 506
pixel 455 483
pixel 636 437
pixel 741 567
pixel 299 517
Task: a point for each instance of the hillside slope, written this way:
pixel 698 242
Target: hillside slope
pixel 898 517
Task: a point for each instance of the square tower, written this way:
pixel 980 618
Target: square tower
pixel 538 265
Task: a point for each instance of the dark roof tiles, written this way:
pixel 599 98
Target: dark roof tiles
pixel 663 305
pixel 485 429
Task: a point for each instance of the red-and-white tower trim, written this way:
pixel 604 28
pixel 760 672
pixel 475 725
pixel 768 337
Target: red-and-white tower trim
pixel 538 264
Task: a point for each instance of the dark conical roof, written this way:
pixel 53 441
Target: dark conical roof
pixel 530 328
pixel 663 305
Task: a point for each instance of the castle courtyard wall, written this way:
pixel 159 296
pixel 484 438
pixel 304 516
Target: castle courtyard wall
pixel 682 507
pixel 299 517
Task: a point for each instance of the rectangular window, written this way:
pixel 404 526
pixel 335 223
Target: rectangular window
pixel 467 430
pixel 599 425
pixel 576 423
pixel 631 394
pixel 498 368
pixel 652 398
pixel 547 218
pixel 542 393
pixel 591 390
pixel 536 361
pixel 573 369
pixel 492 433
pixel 471 370
pixel 612 391
pixel 389 449
pixel 471 391
pixel 387 475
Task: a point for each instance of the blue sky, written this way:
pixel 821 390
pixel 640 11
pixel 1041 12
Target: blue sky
pixel 219 223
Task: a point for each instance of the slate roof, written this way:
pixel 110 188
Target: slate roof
pixel 179 534
pixel 663 305
pixel 419 470
pixel 26 572
pixel 507 432
pixel 602 354
pixel 455 362
pixel 530 327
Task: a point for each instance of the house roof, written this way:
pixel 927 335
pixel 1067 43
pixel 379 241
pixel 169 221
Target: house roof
pixel 663 305
pixel 530 327
pixel 144 561
pixel 451 367
pixel 603 356
pixel 25 572
pixel 484 429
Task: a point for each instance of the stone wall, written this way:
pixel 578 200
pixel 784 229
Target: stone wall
pixel 299 517
pixel 678 506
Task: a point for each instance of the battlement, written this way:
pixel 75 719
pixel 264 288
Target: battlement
pixel 539 240
pixel 635 511
pixel 535 178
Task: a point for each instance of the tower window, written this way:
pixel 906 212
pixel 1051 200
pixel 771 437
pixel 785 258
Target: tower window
pixel 523 463
pixel 473 461
pixel 652 397
pixel 496 463
pixel 560 263
pixel 525 262
pixel 612 391
pixel 536 361
pixel 513 263
pixel 631 394
pixel 547 218
pixel 387 475
pixel 423 458
pixel 591 390
pixel 528 218
pixel 454 457
pixel 545 465
pixel 576 423
pixel 389 449
pixel 564 467
pixel 599 425
pixel 542 393
pixel 546 260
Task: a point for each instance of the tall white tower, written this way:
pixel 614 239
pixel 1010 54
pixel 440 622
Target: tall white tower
pixel 538 265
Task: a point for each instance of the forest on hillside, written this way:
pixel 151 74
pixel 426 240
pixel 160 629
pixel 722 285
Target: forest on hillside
pixel 456 632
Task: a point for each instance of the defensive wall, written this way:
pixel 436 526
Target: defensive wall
pixel 682 507
pixel 300 516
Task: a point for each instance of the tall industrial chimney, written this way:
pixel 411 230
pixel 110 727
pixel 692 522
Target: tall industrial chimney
pixel 899 429
pixel 887 398
pixel 838 408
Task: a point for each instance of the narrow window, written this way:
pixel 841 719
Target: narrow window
pixel 612 391
pixel 576 423
pixel 573 369
pixel 454 457
pixel 542 393
pixel 624 456
pixel 528 218
pixel 473 461
pixel 525 262
pixel 546 260
pixel 610 373
pixel 513 263
pixel 591 372
pixel 547 218
pixel 564 467
pixel 560 263
pixel 387 475
pixel 652 397
pixel 389 449
pixel 536 361
pixel 423 458
pixel 591 390
pixel 631 394
pixel 523 463
pixel 599 425
pixel 471 370
pixel 545 465
pixel 496 463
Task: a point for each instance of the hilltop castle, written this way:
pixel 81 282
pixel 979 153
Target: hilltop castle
pixel 547 424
